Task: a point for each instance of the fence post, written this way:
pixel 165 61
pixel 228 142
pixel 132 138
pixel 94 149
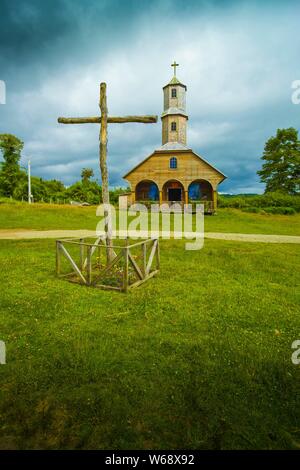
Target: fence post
pixel 57 257
pixel 125 275
pixel 81 254
pixel 89 265
pixel 144 258
pixel 99 256
pixel 157 255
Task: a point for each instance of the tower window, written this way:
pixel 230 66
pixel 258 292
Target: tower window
pixel 174 93
pixel 173 162
pixel 173 126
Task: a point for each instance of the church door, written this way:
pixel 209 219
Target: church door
pixel 174 194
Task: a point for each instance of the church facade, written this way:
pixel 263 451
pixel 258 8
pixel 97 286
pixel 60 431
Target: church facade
pixel 173 172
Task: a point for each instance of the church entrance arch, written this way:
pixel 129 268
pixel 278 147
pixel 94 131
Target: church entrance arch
pixel 200 190
pixel 146 190
pixel 173 191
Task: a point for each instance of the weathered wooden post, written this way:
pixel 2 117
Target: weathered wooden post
pixel 104 173
pixel 144 258
pixel 89 266
pixel 57 257
pixel 81 254
pixel 125 273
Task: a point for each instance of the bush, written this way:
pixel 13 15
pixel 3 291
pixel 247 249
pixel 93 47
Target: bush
pixel 267 201
pixel 8 200
pixel 271 210
pixel 236 202
pixel 280 210
pixel 255 210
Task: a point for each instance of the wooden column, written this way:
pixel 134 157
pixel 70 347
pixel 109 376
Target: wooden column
pixel 186 197
pixel 215 200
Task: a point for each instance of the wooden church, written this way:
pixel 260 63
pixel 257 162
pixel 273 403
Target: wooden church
pixel 173 172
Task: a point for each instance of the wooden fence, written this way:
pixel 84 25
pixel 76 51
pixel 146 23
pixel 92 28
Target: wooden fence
pixel 82 261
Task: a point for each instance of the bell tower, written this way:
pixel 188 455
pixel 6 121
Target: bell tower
pixel 174 117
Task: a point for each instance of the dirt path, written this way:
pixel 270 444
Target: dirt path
pixel 241 237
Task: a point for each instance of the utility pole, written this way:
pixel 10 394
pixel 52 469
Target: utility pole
pixel 29 183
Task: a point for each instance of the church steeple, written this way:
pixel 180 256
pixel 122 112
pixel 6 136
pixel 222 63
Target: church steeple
pixel 174 117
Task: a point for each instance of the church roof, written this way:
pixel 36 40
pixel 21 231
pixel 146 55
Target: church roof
pixel 173 146
pixel 174 81
pixel 173 110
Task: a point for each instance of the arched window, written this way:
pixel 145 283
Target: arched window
pixel 174 93
pixel 173 162
pixel 173 126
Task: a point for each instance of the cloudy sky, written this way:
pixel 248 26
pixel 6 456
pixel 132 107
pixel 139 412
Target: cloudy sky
pixel 237 58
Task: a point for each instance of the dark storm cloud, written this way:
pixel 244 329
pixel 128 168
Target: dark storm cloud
pixel 237 58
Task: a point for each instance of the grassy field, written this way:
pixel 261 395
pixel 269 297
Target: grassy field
pixel 199 357
pixel 47 216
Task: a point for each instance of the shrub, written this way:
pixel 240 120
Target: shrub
pixel 262 201
pixel 270 210
pixel 280 210
pixel 255 210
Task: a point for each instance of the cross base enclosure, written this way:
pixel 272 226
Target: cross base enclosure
pixel 133 264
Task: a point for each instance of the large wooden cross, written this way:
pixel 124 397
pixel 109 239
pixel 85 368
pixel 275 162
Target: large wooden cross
pixel 103 120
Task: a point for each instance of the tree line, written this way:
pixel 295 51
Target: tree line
pixel 14 180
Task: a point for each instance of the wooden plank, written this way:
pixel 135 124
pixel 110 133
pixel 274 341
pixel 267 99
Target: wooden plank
pixel 79 120
pixel 138 283
pixel 142 119
pixel 144 258
pixel 135 265
pixel 94 247
pixel 111 120
pixel 105 287
pixel 132 245
pixel 149 264
pixel 72 262
pixel 125 274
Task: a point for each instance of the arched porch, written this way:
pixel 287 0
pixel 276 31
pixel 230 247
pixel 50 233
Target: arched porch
pixel 146 190
pixel 173 191
pixel 201 191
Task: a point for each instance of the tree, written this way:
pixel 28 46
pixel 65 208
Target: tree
pixel 86 175
pixel 281 170
pixel 11 148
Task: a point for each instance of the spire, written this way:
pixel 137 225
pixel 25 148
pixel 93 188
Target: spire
pixel 174 80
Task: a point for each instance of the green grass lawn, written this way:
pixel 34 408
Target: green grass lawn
pixel 50 216
pixel 198 357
